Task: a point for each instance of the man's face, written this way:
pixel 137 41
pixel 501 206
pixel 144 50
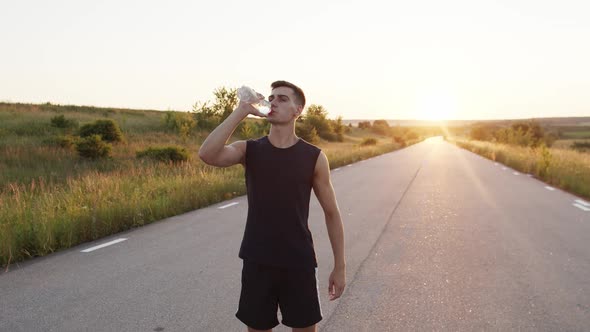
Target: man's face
pixel 283 105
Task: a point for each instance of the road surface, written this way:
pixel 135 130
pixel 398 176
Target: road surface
pixel 437 239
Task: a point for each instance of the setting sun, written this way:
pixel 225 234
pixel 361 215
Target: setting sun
pixel 435 106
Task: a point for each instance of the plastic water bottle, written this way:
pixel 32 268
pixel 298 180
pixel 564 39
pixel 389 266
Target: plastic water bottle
pixel 248 95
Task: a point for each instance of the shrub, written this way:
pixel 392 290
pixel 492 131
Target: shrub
pixel 399 140
pixel 580 146
pixel 364 125
pixel 338 129
pixel 544 161
pixel 369 141
pixel 60 121
pixel 411 135
pixel 380 127
pixel 66 142
pixel 93 147
pixel 107 129
pixel 248 130
pixel 316 117
pixel 206 116
pixel 307 132
pixel 181 122
pixel 165 154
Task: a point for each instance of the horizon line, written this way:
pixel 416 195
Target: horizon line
pixel 344 119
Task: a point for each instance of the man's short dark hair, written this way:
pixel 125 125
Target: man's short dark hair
pixel 299 95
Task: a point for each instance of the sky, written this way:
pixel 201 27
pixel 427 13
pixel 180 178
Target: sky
pixel 420 59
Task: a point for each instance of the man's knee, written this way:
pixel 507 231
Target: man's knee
pixel 255 330
pixel 312 328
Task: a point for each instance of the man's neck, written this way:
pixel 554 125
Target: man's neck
pixel 282 136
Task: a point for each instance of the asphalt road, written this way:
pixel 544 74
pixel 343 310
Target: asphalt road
pixel 437 239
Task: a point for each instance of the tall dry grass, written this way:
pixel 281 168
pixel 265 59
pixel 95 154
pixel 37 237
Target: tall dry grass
pixel 566 169
pixel 38 218
pixel 65 201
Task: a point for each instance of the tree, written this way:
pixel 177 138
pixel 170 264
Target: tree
pixel 206 116
pixel 316 117
pixel 317 110
pixel 338 129
pixel 210 116
pixel 380 127
pixel 226 101
pixel 364 125
pixel 307 132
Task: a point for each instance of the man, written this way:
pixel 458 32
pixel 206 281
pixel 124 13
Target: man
pixel 280 266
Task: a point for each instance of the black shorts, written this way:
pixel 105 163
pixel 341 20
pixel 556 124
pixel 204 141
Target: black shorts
pixel 267 288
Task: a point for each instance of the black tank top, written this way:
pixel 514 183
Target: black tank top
pixel 279 183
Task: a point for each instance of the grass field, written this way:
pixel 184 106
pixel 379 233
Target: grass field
pixel 577 134
pixel 563 168
pixel 567 143
pixel 50 199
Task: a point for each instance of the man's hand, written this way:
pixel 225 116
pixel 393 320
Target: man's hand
pixel 337 282
pixel 249 109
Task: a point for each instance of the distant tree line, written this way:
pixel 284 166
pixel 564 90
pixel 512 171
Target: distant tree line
pixel 311 126
pixel 527 133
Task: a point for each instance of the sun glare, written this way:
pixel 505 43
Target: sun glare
pixel 436 106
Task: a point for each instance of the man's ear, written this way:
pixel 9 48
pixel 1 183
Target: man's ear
pixel 299 110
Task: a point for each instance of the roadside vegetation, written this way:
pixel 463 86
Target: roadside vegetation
pixel 72 174
pixel 546 151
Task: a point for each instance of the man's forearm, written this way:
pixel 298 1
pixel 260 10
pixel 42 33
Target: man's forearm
pixel 336 235
pixel 215 142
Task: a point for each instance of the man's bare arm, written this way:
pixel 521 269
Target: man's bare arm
pixel 214 152
pixel 324 191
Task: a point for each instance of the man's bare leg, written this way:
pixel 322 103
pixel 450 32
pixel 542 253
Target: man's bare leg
pixel 255 330
pixel 306 329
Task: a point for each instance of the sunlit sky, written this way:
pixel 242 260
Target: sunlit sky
pixel 423 59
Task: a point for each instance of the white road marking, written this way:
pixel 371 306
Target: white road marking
pixel 496 164
pixel 335 169
pixel 516 173
pixel 104 245
pixel 504 168
pixel 579 201
pixel 549 188
pixel 228 205
pixel 581 207
pixel 349 165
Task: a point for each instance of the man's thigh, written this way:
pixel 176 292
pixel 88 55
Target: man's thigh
pixel 299 299
pixel 258 298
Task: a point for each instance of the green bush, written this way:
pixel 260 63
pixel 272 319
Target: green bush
pixel 181 122
pixel 307 132
pixel 580 146
pixel 369 141
pixel 316 117
pixel 248 129
pixel 60 121
pixel 399 140
pixel 107 129
pixel 66 142
pixel 93 147
pixel 166 154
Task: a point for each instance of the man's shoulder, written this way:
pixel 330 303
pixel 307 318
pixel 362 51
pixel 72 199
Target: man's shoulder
pixel 257 141
pixel 311 146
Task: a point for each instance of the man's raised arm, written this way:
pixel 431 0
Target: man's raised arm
pixel 214 152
